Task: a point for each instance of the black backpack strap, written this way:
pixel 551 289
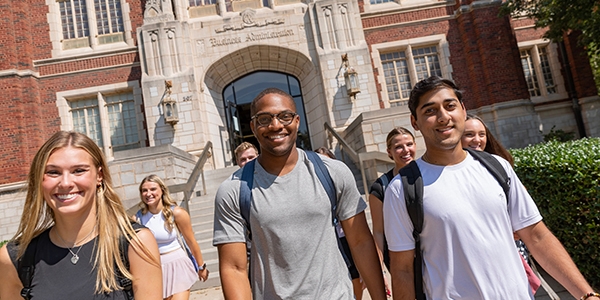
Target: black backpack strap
pixel 26 268
pixel 125 282
pixel 412 183
pixel 494 167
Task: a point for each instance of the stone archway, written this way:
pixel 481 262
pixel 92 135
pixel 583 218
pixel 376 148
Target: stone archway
pixel 265 58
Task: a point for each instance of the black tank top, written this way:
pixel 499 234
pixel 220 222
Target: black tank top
pixel 56 277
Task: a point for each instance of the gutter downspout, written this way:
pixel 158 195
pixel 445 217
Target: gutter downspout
pixel 571 90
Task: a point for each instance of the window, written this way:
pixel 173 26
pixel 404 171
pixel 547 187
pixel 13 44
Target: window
pixel 119 131
pixel 402 69
pixel 86 119
pixel 122 122
pixel 82 19
pixel 380 1
pixel 202 2
pixel 537 69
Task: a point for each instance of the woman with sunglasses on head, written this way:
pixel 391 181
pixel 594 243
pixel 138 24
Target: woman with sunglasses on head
pixel 76 232
pixel 172 227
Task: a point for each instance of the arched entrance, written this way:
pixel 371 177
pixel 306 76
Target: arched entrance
pixel 239 94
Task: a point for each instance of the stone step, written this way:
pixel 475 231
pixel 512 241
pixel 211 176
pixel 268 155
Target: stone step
pixel 201 209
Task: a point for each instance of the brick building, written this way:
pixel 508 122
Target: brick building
pixel 161 78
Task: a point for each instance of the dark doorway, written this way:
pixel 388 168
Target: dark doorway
pixel 239 94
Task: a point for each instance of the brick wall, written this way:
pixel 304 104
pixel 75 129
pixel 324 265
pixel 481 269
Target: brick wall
pixel 485 58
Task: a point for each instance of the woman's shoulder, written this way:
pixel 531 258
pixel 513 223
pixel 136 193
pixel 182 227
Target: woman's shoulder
pixel 179 212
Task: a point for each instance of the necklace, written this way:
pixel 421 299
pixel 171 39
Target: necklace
pixel 75 257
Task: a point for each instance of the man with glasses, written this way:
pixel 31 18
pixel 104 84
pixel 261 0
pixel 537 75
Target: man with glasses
pixel 294 246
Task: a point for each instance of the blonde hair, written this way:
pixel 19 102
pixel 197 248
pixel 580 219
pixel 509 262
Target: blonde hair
pixel 111 217
pixel 393 133
pixel 166 200
pixel 243 147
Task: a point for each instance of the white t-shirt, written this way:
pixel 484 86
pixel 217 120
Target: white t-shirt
pixel 467 238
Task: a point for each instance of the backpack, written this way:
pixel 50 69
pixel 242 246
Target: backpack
pixel 245 200
pixel 384 180
pixel 412 183
pixel 26 266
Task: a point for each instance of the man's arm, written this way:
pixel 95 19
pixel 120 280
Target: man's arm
pixel 402 272
pixel 553 257
pixel 376 206
pixel 233 264
pixel 365 255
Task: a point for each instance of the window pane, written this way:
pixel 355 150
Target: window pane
pixel 86 119
pixel 122 122
pixel 529 72
pixel 397 79
pixel 546 71
pixel 380 1
pixel 427 62
pixel 73 17
pixel 109 17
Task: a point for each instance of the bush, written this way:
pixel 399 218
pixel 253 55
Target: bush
pixel 2 243
pixel 564 180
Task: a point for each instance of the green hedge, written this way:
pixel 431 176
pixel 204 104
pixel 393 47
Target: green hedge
pixel 564 180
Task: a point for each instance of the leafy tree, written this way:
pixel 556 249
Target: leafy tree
pixel 560 16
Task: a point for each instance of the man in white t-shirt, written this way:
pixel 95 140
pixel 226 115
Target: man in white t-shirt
pixel 467 238
pixel 294 254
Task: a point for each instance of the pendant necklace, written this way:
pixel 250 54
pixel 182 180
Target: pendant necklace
pixel 75 257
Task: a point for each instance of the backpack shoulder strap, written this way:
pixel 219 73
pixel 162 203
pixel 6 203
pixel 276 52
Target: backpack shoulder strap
pixel 26 268
pixel 384 181
pixel 245 199
pixel 138 216
pixel 494 167
pixel 326 181
pixel 125 282
pixel 412 183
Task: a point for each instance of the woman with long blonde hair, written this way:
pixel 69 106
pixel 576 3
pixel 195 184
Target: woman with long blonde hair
pixel 171 226
pixel 75 225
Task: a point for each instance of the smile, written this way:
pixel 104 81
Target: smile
pixel 279 136
pixel 67 196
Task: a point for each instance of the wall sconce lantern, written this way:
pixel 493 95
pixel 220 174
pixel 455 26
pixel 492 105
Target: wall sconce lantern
pixel 170 105
pixel 351 77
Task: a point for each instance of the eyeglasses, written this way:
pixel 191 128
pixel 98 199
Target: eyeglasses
pixel 265 118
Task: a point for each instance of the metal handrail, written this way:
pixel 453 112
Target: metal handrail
pixel 343 144
pixel 188 187
pixel 360 157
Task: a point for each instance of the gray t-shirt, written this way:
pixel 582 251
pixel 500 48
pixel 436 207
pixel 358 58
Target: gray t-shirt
pixel 294 246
